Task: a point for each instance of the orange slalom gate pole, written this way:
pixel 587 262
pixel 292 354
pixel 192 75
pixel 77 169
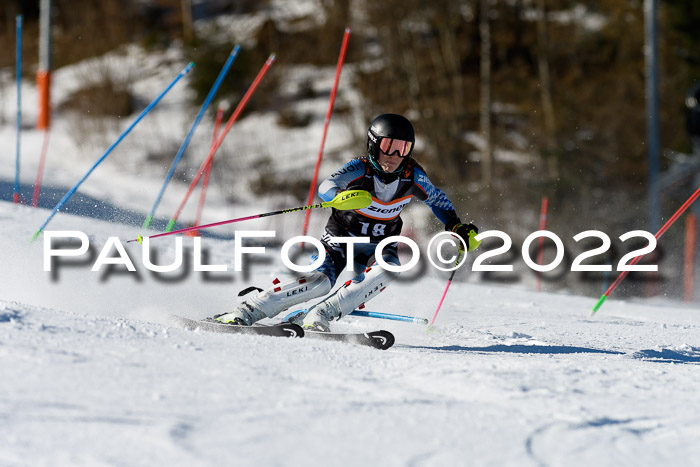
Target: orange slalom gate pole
pixel 43 86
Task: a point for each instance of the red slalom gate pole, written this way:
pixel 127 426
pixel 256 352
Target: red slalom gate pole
pixel 658 235
pixel 207 171
pixel 329 112
pixel 689 266
pixel 40 170
pixel 268 63
pixel 540 243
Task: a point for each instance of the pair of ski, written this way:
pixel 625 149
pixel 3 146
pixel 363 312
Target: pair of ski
pixel 378 339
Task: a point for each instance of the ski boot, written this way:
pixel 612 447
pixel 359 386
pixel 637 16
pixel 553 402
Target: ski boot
pixel 283 295
pixel 245 314
pixel 319 316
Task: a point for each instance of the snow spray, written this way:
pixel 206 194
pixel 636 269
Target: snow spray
pixel 186 142
pixel 270 60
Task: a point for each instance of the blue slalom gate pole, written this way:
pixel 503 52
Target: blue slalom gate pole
pixel 109 150
pixel 15 192
pixel 373 314
pixel 186 142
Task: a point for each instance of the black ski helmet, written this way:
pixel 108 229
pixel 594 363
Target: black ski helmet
pixel 388 126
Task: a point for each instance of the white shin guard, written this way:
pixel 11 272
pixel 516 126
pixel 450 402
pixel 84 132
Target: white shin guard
pixel 352 294
pixel 290 293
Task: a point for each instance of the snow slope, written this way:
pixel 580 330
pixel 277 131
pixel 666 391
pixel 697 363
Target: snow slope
pixel 94 374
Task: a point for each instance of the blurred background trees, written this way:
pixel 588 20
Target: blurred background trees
pixel 565 89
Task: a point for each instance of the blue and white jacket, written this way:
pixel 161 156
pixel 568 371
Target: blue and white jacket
pixel 390 194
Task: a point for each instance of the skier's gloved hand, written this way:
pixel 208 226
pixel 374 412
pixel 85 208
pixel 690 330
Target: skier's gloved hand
pixel 467 232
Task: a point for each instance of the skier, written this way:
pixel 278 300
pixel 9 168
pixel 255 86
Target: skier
pixel 392 177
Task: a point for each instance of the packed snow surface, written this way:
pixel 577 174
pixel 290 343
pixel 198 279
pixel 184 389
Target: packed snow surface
pixel 94 373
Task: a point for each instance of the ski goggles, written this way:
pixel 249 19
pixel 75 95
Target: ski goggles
pixel 390 145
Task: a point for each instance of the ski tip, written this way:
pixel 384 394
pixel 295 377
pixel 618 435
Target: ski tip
pixel 294 330
pixel 382 339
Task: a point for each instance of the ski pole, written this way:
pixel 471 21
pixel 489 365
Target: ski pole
pixel 268 63
pixel 186 142
pixel 329 112
pixel 658 235
pixel 374 314
pixel 15 193
pixel 449 281
pixel 343 201
pixel 461 254
pixel 109 150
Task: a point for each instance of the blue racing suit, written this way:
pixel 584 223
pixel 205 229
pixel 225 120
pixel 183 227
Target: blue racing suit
pixel 390 194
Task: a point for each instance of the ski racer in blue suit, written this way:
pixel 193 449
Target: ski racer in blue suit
pixel 393 178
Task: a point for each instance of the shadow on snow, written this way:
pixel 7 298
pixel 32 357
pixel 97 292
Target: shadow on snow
pixel 86 206
pixel 522 349
pixel 692 355
pixel 669 356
